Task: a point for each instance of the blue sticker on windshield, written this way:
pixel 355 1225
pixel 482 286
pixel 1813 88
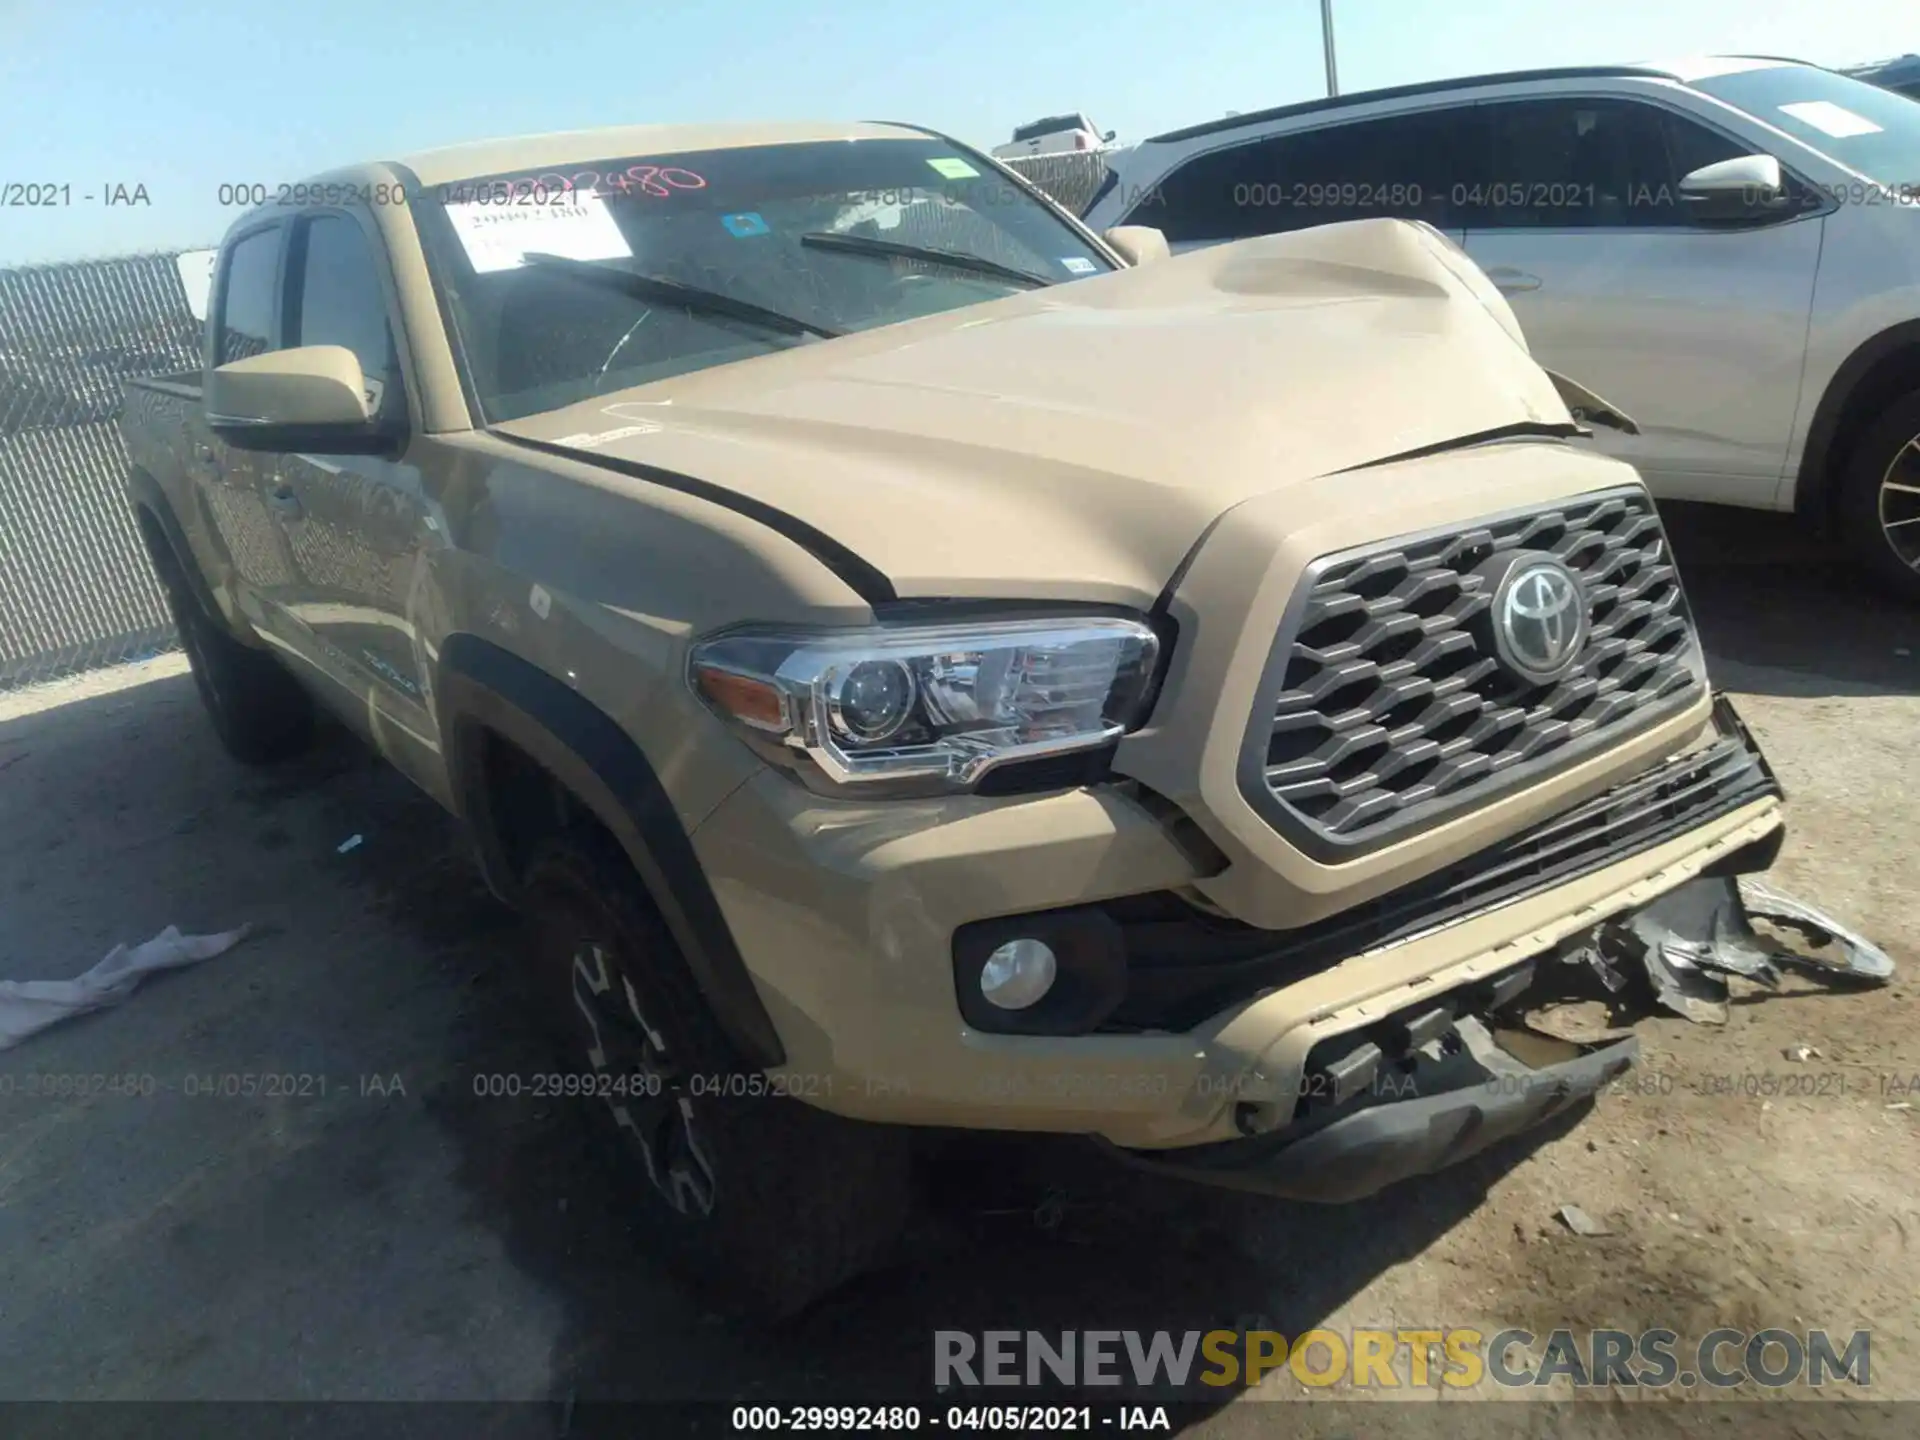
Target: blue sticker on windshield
pixel 747 223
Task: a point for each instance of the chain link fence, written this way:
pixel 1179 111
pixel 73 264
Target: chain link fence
pixel 76 591
pixel 1071 177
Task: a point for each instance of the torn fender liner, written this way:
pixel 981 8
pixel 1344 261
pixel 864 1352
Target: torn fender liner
pixel 1588 408
pixel 1691 938
pixel 1860 958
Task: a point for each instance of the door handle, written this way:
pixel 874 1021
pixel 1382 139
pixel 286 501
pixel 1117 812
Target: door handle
pixel 1510 281
pixel 285 503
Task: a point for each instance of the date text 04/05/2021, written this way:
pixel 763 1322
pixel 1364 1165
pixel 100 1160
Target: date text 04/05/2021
pixel 955 1419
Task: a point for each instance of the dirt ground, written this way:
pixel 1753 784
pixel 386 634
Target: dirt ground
pixel 398 1237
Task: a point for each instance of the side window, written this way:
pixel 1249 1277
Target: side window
pixel 1195 202
pixel 1691 145
pixel 247 301
pixel 1406 166
pixel 339 301
pixel 1589 163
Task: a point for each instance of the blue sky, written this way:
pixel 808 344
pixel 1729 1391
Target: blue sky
pixel 184 95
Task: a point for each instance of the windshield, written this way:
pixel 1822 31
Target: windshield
pixel 563 286
pixel 1867 129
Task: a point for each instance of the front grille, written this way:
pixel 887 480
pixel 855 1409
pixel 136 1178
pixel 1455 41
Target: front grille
pixel 1384 707
pixel 1183 966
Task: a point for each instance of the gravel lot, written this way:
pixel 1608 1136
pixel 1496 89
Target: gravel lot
pixel 429 1244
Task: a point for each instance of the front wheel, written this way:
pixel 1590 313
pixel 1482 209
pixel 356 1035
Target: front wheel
pixel 763 1202
pixel 1880 499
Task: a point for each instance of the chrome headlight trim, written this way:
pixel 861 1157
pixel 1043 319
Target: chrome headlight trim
pixel 984 693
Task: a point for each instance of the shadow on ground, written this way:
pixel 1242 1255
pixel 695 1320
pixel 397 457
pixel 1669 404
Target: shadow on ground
pixel 1014 1233
pixel 1784 614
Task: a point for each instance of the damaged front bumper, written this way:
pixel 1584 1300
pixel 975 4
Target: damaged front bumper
pixel 1490 1095
pixel 1431 1085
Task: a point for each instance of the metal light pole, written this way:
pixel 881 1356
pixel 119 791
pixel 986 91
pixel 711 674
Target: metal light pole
pixel 1326 37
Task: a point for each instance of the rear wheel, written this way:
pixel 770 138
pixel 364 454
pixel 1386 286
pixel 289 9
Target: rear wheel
pixel 258 710
pixel 763 1202
pixel 1880 499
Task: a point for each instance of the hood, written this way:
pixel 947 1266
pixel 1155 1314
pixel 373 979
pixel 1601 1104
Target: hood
pixel 1076 441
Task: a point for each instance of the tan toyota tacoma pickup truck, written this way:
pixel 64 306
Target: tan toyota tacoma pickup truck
pixel 924 664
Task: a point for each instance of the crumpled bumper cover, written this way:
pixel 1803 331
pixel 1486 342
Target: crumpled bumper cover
pixel 1421 1090
pixel 1352 1158
pixel 1465 1086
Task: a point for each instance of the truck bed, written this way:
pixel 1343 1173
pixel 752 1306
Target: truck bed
pixel 163 426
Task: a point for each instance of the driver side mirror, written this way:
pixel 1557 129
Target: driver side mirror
pixel 312 399
pixel 1743 188
pixel 1137 244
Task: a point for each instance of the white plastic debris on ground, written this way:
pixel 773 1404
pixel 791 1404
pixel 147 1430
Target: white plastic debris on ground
pixel 30 1006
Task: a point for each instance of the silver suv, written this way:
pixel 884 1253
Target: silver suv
pixel 1727 250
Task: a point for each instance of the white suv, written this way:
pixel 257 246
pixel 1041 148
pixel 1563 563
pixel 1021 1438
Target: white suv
pixel 1728 251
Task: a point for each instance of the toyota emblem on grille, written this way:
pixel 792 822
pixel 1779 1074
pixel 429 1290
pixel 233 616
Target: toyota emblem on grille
pixel 1539 616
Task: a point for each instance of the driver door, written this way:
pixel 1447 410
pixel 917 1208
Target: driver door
pixel 358 527
pixel 1697 331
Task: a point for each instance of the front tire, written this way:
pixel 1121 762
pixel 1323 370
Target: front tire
pixel 259 711
pixel 762 1202
pixel 1880 500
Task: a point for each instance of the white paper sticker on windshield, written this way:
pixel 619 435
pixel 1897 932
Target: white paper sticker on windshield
pixel 1078 264
pixel 1830 119
pixel 499 236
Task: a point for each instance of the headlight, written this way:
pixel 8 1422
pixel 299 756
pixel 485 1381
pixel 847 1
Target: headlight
pixel 936 706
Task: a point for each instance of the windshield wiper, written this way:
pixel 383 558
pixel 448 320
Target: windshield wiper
pixel 693 297
pixel 895 249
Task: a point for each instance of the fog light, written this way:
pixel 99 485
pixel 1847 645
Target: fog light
pixel 1017 974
